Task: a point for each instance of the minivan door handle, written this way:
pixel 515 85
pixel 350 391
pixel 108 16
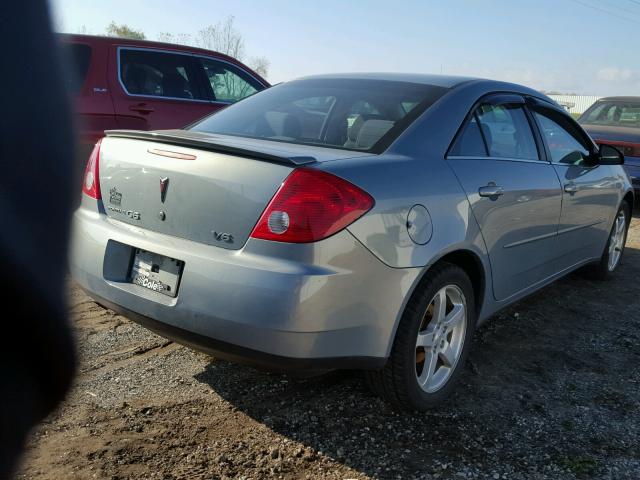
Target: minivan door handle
pixel 491 190
pixel 141 108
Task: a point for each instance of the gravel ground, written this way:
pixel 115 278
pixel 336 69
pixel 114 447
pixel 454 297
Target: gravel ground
pixel 551 390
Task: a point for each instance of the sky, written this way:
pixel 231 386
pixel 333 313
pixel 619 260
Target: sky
pixel 586 47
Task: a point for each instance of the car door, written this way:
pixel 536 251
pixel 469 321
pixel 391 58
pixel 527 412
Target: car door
pixel 88 86
pixel 590 191
pixel 514 192
pixel 155 89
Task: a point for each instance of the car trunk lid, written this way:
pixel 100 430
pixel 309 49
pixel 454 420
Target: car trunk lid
pixel 211 191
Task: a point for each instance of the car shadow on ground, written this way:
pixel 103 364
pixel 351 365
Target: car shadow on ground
pixel 540 374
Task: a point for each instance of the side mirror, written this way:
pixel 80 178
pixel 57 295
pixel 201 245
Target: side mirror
pixel 610 155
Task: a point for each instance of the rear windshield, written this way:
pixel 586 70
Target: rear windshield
pixel 618 114
pixel 78 57
pixel 363 115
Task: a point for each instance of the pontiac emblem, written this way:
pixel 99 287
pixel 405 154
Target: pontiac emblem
pixel 164 184
pixel 115 197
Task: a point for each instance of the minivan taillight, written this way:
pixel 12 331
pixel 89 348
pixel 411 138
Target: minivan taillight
pixel 311 205
pixel 91 183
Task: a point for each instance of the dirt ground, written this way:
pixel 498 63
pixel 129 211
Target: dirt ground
pixel 552 390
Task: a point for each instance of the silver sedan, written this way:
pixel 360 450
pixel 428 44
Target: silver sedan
pixel 349 221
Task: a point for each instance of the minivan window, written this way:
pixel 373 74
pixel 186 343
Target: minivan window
pixel 507 132
pixel 79 57
pixel 565 147
pixel 469 143
pixel 228 83
pixel 158 74
pixel 613 113
pixel 355 114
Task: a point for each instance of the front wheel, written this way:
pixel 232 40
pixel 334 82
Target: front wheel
pixel 431 343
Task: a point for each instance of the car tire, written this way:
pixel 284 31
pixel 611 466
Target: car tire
pixel 612 255
pixel 429 336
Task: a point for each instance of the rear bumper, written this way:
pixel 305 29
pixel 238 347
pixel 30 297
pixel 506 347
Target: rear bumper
pixel 239 354
pixel 318 306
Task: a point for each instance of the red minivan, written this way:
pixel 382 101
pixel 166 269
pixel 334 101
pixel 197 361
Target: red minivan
pixel 136 84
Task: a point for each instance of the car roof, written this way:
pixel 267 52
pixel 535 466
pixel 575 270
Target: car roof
pixel 446 81
pixel 450 82
pixel 620 99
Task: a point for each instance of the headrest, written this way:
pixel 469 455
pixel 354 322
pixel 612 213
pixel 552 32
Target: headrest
pixel 354 129
pixel 372 131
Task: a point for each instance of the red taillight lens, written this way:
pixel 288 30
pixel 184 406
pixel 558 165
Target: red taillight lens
pixel 311 205
pixel 91 183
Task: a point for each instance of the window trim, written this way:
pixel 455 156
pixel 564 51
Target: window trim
pixel 540 105
pixel 174 52
pixel 501 98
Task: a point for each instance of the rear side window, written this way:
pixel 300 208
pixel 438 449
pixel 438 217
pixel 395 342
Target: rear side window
pixel 228 83
pixel 78 57
pixel 159 74
pixel 507 132
pixel 469 142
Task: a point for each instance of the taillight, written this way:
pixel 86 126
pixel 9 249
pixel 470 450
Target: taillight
pixel 311 205
pixel 91 183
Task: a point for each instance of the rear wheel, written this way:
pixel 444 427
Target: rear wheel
pixel 612 255
pixel 431 343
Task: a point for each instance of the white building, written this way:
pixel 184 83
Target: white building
pixel 575 103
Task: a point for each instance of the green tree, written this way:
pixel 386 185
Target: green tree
pixel 124 31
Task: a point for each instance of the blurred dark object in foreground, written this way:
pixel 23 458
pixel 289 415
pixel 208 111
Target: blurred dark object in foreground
pixel 36 195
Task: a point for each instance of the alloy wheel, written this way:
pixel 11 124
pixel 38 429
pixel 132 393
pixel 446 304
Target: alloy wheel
pixel 441 338
pixel 616 242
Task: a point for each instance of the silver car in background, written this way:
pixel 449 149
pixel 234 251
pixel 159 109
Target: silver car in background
pixel 366 221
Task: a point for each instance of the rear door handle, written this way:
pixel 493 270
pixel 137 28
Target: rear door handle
pixel 142 108
pixel 491 191
pixel 570 188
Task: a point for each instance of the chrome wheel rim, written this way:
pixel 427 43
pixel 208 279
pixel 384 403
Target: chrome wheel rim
pixel 616 242
pixel 440 338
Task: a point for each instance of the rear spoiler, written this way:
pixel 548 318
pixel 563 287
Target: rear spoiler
pixel 209 145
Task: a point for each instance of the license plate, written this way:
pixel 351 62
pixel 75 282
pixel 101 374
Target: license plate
pixel 156 272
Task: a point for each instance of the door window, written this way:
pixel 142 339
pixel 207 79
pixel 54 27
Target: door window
pixel 470 143
pixel 158 74
pixel 563 139
pixel 507 132
pixel 229 83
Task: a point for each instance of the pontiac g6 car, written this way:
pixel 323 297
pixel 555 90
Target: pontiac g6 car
pixel 349 221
